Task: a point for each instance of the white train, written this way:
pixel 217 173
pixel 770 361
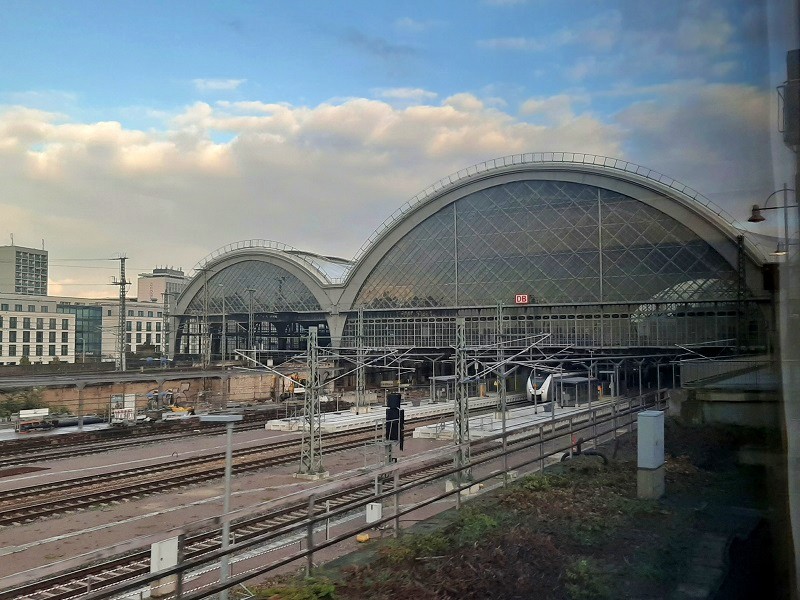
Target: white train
pixel 564 388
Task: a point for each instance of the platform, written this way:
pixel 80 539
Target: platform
pixel 346 420
pixel 517 420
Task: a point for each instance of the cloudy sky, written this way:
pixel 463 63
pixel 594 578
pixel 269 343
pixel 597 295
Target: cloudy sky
pixel 164 130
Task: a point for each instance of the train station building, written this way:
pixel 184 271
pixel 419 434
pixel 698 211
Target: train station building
pixel 587 254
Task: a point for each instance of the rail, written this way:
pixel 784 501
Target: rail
pixel 542 441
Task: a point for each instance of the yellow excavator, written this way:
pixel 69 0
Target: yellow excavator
pixel 177 406
pixel 295 383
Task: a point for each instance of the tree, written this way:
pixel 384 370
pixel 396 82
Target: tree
pixel 24 362
pixel 22 400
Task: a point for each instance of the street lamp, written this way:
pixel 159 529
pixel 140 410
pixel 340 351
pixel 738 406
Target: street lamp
pixel 757 217
pixel 224 563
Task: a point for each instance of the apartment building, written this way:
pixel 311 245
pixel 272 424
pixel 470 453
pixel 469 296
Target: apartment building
pixel 44 328
pixel 33 327
pixel 23 271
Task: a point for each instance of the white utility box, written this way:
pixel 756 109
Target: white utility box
pixel 374 512
pixel 650 425
pixel 163 555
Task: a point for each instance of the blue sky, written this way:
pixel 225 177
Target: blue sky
pixel 201 123
pixel 115 56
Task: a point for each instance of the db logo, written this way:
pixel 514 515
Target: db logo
pixel 521 299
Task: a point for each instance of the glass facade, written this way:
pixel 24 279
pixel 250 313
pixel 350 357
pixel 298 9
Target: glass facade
pixel 88 329
pixel 559 242
pixel 600 270
pixel 275 290
pixel 606 326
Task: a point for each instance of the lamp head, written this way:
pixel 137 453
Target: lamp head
pixel 755 215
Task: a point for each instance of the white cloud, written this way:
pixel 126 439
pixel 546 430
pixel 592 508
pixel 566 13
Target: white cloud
pixel 582 69
pixel 40 98
pixel 597 34
pixel 600 33
pixel 319 178
pixel 552 109
pixel 217 85
pixel 714 138
pixel 406 94
pixel 323 177
pixel 710 31
pixel 693 39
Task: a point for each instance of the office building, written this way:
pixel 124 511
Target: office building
pixel 23 271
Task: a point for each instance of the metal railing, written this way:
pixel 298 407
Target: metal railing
pixel 285 250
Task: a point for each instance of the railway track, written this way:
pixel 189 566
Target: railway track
pixel 53 447
pixel 23 457
pixel 21 452
pixel 23 505
pixel 77 582
pixel 31 503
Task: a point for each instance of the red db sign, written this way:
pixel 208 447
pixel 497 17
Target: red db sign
pixel 521 299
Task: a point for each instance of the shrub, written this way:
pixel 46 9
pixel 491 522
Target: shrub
pixel 586 580
pixel 307 589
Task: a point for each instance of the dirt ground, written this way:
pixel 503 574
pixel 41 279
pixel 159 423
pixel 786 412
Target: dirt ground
pixel 579 531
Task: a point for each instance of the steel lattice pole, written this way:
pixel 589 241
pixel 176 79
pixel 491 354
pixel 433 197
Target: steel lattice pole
pixel 311 450
pixel 501 367
pixel 360 360
pixel 122 347
pixel 501 386
pixel 461 411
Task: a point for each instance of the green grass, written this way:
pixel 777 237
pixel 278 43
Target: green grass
pixel 306 589
pixel 586 579
pixel 577 531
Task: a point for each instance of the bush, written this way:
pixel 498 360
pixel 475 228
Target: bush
pixel 307 589
pixel 413 546
pixel 586 580
pixel 474 527
pixel 17 401
pixel 544 481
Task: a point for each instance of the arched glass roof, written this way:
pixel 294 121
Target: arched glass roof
pixel 559 242
pixel 328 269
pixel 562 160
pixel 274 290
